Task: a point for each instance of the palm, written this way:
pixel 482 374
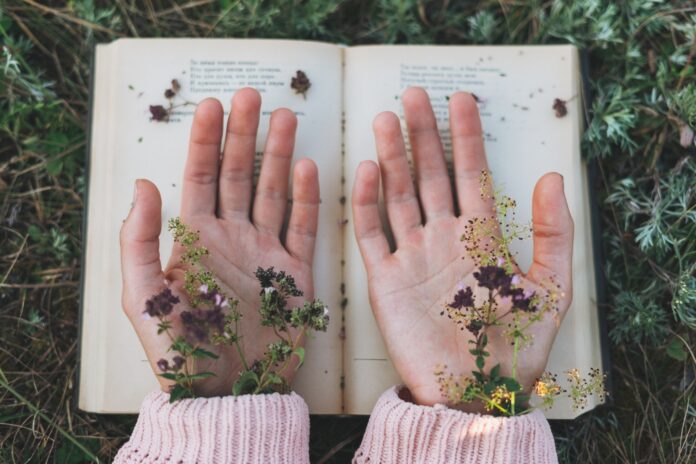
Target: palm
pixel 234 268
pixel 410 287
pixel 241 233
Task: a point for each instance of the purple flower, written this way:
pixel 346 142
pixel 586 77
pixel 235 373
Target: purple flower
pixel 494 278
pixel 178 362
pixel 162 304
pixel 163 365
pixel 523 301
pixel 463 298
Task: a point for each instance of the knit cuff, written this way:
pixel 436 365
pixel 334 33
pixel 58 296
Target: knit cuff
pixel 232 429
pixel 400 431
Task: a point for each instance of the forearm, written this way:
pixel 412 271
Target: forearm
pixel 401 431
pixel 249 428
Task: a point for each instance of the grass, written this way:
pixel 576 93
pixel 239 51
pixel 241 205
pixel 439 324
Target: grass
pixel 641 56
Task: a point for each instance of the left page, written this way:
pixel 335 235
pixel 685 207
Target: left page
pixel 131 75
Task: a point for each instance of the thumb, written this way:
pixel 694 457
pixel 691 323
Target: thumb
pixel 552 228
pixel 141 268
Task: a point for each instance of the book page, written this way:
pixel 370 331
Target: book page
pixel 524 139
pixel 131 75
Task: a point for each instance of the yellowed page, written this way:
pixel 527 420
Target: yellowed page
pixel 132 74
pixel 524 139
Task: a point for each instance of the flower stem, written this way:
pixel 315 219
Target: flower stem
pixel 515 351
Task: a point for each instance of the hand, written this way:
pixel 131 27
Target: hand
pixel 409 287
pixel 240 233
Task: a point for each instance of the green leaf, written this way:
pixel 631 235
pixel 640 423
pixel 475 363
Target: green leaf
pixel 511 384
pixel 275 378
pixel 495 372
pixel 201 353
pixel 300 353
pixel 480 362
pixel 201 376
pixel 676 350
pixel 177 393
pixel 69 453
pixel 168 376
pixel 54 166
pixel 246 383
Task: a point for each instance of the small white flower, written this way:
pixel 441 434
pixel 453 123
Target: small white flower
pixel 515 279
pixel 218 299
pixel 501 261
pixel 225 303
pixel 203 288
pixel 268 290
pixel 326 311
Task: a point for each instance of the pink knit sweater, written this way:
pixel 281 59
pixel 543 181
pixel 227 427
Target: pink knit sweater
pixel 275 429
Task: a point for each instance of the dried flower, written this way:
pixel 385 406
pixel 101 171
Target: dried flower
pixel 300 83
pixel 158 113
pixel 559 106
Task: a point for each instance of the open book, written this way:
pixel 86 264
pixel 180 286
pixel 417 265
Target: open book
pixel 347 367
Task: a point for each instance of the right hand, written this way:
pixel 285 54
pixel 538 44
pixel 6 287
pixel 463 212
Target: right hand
pixel 241 232
pixel 409 287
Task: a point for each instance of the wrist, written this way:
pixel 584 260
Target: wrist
pixel 430 398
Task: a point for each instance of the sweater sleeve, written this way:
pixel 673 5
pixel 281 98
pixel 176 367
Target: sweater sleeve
pixel 400 431
pixel 243 429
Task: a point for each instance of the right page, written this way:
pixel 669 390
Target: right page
pixel 516 87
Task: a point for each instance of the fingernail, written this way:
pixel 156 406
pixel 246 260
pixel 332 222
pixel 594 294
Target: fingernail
pixel 135 193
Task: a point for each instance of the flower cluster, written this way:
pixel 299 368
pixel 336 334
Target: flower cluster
pixel 213 319
pixel 500 299
pixel 174 100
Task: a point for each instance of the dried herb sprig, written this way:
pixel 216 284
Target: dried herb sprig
pixel 507 305
pixel 174 100
pixel 214 319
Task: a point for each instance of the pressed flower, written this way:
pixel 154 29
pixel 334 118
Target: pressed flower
pixel 300 83
pixel 158 113
pixel 559 106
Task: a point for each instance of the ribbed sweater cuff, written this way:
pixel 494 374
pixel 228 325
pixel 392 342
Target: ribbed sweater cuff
pixel 233 429
pixel 400 431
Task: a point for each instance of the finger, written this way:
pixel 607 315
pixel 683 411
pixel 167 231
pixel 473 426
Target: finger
pixel 272 191
pixel 199 193
pixel 552 228
pixel 367 222
pixel 433 180
pixel 237 168
pixel 302 227
pixel 469 156
pixel 402 205
pixel 141 268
